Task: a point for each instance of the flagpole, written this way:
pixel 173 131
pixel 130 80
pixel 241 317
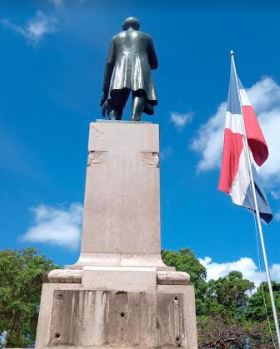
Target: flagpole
pixel 257 212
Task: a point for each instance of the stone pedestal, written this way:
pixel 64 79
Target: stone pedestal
pixel 122 209
pixel 119 293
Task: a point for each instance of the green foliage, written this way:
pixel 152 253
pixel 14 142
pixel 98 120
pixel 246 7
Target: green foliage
pixel 222 332
pixel 185 260
pixel 21 277
pixel 256 308
pixel 228 314
pixel 228 295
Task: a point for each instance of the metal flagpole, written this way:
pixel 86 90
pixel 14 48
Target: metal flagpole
pixel 257 212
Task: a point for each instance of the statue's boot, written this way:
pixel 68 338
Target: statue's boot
pixel 138 104
pixel 115 114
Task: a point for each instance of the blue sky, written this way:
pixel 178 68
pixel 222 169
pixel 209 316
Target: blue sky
pixel 52 61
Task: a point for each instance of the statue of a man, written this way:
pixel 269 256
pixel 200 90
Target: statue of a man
pixel 128 69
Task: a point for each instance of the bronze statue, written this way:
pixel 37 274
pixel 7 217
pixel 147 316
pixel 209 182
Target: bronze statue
pixel 128 69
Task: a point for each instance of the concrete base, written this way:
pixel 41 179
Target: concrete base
pixel 82 317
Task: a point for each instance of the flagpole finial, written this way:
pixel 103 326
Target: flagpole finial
pixel 231 53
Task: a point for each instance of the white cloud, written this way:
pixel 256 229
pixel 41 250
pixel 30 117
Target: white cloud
pixel 57 3
pixel 180 120
pixel 245 265
pixel 277 216
pixel 265 97
pixel 35 29
pixel 275 194
pixel 166 153
pixel 209 141
pixel 57 226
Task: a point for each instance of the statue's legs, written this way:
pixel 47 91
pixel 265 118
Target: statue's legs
pixel 138 104
pixel 118 101
pixel 115 114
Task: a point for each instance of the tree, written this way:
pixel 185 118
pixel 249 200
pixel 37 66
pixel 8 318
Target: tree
pixel 219 332
pixel 259 306
pixel 21 276
pixel 222 332
pixel 233 319
pixel 259 310
pixel 229 294
pixel 223 324
pixel 185 260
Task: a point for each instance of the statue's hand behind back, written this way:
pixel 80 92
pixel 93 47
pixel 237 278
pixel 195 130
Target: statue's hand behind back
pixel 103 100
pixel 105 108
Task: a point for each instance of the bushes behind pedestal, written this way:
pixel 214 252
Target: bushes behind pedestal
pixel 231 312
pixel 22 273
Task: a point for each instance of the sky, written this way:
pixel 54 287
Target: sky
pixel 53 54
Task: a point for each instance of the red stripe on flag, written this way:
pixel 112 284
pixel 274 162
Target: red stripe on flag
pixel 255 136
pixel 233 145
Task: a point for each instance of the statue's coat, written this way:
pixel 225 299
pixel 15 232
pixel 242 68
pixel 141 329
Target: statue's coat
pixel 130 60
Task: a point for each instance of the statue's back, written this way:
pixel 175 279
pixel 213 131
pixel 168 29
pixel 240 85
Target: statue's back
pixel 132 42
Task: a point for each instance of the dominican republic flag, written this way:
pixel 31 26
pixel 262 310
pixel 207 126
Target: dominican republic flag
pixel 235 175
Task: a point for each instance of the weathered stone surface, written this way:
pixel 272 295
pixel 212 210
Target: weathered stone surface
pixel 122 208
pixel 94 318
pixel 172 278
pixel 170 320
pixel 120 278
pixel 130 278
pixel 190 329
pixel 120 259
pixel 97 319
pixel 65 275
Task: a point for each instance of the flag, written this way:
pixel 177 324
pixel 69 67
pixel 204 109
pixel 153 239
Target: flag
pixel 235 176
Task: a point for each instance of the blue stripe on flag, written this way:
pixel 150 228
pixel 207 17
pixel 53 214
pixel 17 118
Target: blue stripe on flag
pixel 264 208
pixel 233 105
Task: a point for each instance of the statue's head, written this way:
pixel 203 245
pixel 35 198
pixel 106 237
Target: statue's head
pixel 131 22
